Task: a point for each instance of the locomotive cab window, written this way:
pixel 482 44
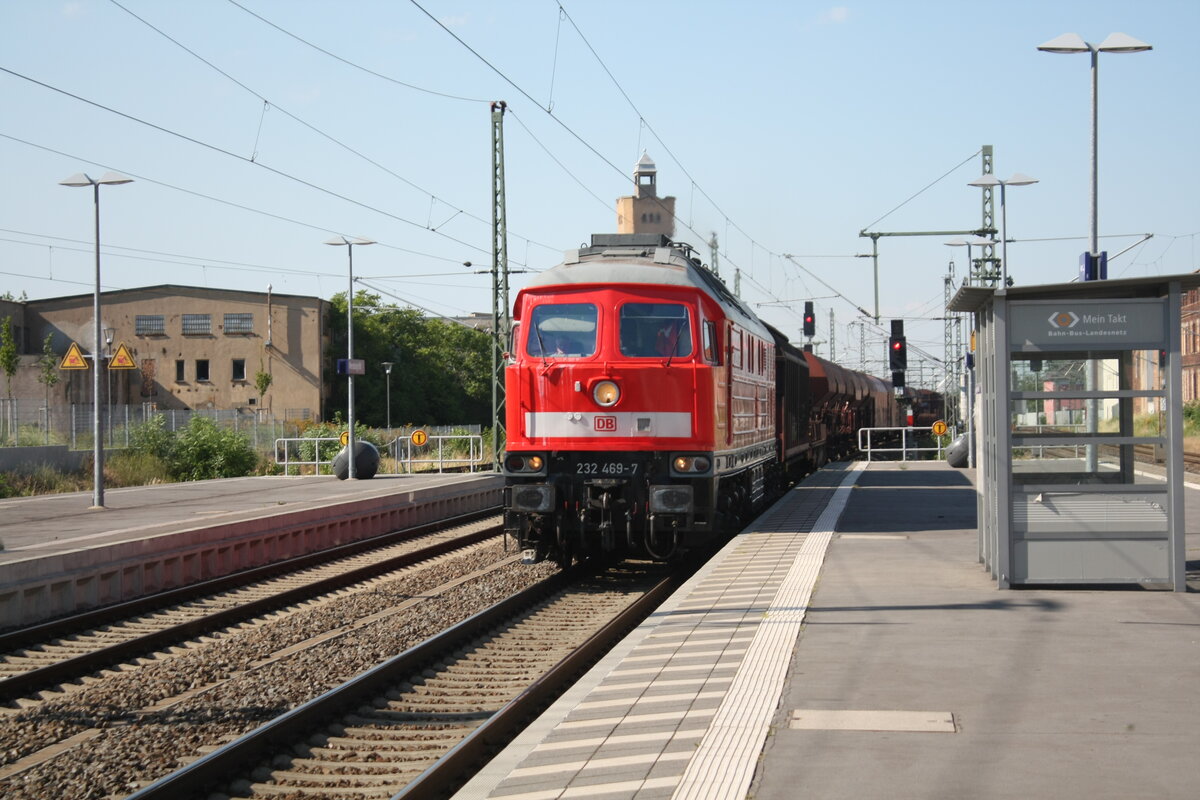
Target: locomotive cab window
pixel 562 330
pixel 655 330
pixel 712 350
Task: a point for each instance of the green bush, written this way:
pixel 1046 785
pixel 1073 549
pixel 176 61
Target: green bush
pixel 1191 418
pixel 152 437
pixel 203 450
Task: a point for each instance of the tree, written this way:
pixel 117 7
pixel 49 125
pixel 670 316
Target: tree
pixel 442 368
pixel 48 374
pixel 9 361
pixel 9 358
pixel 262 382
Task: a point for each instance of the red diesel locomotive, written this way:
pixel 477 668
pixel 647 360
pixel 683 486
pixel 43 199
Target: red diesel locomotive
pixel 647 408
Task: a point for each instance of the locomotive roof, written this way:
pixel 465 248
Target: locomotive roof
pixel 646 259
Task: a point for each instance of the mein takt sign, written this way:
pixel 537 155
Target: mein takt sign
pixel 1130 324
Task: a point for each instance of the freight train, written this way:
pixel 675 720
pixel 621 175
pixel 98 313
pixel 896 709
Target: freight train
pixel 648 409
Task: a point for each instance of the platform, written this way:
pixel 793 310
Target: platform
pixel 61 555
pixel 864 652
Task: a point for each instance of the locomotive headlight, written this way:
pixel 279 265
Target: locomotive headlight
pixel 518 462
pixel 606 393
pixel 691 464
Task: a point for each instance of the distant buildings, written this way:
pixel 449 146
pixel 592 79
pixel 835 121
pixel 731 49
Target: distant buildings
pixel 645 211
pixel 193 348
pixel 1190 308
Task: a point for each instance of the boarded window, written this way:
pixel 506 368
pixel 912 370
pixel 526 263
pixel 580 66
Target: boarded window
pixel 149 325
pixel 239 323
pixel 197 324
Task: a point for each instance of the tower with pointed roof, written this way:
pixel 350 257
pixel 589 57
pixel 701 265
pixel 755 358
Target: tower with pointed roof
pixel 645 211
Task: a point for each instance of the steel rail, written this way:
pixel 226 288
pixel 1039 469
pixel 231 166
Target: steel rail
pixel 24 683
pixel 202 775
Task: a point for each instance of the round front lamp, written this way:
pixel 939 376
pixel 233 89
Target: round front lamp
pixel 606 393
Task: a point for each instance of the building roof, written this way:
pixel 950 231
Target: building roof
pixel 973 298
pixel 645 165
pixel 169 290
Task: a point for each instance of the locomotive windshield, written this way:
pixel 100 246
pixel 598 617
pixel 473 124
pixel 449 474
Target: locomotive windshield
pixel 562 330
pixel 655 330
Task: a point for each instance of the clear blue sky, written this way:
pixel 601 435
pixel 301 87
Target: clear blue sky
pixel 783 127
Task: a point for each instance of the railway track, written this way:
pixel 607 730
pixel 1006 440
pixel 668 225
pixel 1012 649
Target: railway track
pixel 1142 454
pixel 418 725
pixel 1146 454
pixel 131 725
pixel 71 649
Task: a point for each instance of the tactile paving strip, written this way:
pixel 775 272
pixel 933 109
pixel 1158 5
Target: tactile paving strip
pixel 683 707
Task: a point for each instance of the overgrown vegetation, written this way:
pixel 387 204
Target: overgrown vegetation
pixel 1191 419
pixel 156 455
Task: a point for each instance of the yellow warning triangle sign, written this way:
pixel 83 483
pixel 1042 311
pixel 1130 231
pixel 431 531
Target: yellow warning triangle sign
pixel 122 359
pixel 74 358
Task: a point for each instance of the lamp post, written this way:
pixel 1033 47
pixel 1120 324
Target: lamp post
pixel 387 368
pixel 338 241
pixel 975 241
pixel 991 180
pixel 1115 43
pixel 108 340
pixel 77 180
pixel 979 241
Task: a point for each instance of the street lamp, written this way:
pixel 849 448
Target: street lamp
pixel 387 368
pixel 108 340
pixel 338 241
pixel 974 241
pixel 1115 43
pixel 991 180
pixel 107 179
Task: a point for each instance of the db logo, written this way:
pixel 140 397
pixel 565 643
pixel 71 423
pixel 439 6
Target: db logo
pixel 606 423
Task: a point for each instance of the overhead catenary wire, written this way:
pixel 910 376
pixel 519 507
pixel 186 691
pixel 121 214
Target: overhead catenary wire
pixel 230 203
pixel 230 154
pixel 353 65
pixel 325 135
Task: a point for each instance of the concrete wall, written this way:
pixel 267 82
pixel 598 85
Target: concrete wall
pixel 26 459
pixel 45 586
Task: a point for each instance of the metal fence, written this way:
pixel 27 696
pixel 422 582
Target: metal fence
pixel 32 423
pixel 908 442
pixel 454 450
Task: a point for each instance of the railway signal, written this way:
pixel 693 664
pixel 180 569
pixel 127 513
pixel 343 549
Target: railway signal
pixel 810 320
pixel 897 353
pixel 897 348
